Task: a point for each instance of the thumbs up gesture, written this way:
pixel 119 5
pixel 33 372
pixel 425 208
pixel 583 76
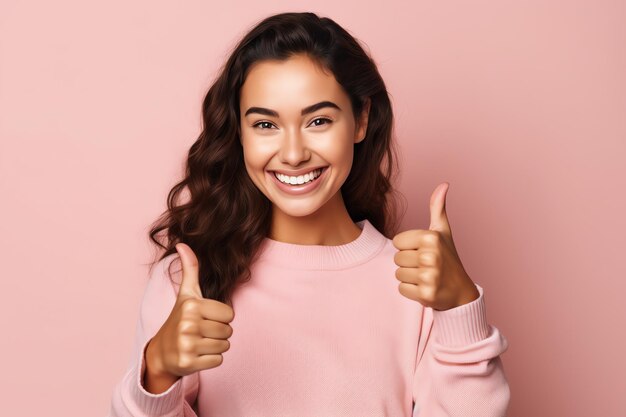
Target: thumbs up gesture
pixel 196 332
pixel 430 270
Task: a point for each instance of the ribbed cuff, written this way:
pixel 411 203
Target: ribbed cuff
pixel 170 401
pixel 462 325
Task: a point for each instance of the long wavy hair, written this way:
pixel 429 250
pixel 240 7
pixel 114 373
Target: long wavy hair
pixel 226 217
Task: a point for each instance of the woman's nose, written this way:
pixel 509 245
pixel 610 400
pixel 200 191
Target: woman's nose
pixel 293 149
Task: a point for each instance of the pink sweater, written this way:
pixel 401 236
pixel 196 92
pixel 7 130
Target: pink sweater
pixel 323 331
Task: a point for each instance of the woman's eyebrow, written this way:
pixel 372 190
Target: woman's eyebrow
pixel 306 110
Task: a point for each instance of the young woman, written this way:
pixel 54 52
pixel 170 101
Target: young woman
pixel 287 301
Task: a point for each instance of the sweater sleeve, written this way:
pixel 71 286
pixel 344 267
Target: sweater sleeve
pixel 459 371
pixel 130 399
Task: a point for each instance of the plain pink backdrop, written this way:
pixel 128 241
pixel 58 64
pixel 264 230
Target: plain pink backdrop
pixel 520 106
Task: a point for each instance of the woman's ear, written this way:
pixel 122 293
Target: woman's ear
pixel 361 130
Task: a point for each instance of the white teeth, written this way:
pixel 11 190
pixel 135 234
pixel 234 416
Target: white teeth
pixel 300 179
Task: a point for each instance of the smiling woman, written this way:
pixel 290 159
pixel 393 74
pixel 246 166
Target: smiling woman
pixel 288 304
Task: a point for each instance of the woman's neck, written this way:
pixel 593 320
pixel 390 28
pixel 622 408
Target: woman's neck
pixel 331 225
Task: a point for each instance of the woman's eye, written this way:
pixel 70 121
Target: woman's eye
pixel 325 119
pixel 322 118
pixel 260 123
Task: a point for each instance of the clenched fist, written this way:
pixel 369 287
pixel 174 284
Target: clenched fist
pixel 430 270
pixel 196 332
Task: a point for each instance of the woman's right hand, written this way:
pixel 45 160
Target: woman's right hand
pixel 196 332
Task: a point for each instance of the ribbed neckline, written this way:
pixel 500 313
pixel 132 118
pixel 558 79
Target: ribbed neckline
pixel 316 257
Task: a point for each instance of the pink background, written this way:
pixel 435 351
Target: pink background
pixel 521 106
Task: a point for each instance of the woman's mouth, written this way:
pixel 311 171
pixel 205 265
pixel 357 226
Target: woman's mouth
pixel 297 189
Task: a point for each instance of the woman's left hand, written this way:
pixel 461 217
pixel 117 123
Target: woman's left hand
pixel 430 270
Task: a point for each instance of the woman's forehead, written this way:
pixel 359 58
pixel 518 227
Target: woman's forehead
pixel 289 86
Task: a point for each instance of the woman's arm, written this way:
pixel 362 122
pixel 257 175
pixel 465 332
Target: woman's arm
pixel 459 371
pixel 131 398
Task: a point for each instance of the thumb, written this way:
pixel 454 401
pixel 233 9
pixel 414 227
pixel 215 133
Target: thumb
pixel 438 216
pixel 190 285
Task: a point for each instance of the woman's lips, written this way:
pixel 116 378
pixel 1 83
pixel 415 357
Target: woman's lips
pixel 299 188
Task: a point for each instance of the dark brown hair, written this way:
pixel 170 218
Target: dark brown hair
pixel 226 217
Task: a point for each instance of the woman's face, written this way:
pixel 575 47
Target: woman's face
pixel 278 133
